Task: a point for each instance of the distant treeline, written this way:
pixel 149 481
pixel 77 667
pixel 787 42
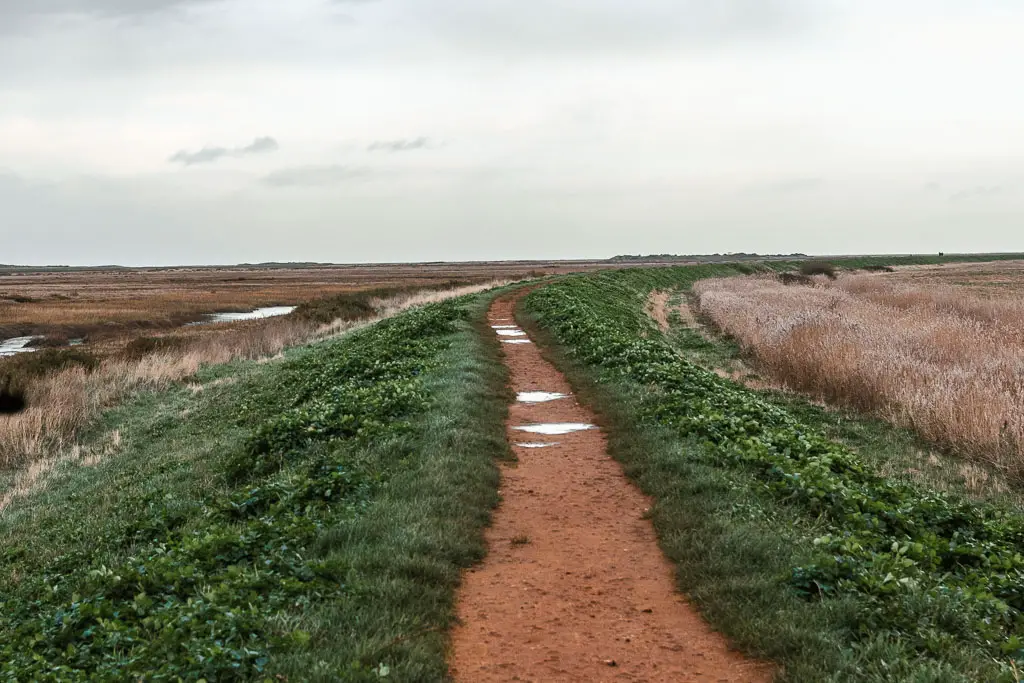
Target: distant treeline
pixel 847 261
pixel 738 256
pixel 5 268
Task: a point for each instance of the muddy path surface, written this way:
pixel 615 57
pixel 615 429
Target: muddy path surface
pixel 575 587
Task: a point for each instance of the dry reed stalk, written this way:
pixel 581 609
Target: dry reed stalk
pixel 657 308
pixel 942 360
pixel 60 405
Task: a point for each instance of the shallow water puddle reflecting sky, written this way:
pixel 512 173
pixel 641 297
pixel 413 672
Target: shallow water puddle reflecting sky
pixel 555 428
pixel 9 347
pixel 258 314
pixel 538 396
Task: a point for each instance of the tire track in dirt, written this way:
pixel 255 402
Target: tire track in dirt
pixel 575 587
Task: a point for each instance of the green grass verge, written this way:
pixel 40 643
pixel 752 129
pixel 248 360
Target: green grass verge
pixel 889 450
pixel 308 521
pixel 787 541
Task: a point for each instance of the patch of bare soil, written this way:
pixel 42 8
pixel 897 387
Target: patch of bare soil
pixel 575 587
pixel 657 309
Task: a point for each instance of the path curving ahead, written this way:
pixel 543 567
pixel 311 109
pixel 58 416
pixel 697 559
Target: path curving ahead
pixel 575 587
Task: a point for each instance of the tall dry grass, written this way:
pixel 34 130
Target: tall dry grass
pixel 944 360
pixel 61 404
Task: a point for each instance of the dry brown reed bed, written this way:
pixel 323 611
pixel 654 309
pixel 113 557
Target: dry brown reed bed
pixel 61 404
pixel 944 360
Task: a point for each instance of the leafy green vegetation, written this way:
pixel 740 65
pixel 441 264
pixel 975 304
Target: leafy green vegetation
pixel 301 520
pixel 809 268
pixel 890 450
pixel 358 304
pixel 140 347
pixel 791 544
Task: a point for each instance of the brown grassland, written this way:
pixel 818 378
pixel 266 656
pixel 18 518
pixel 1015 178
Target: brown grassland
pixel 937 348
pixel 101 304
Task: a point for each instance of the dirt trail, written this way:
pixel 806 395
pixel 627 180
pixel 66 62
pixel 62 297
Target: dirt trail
pixel 575 587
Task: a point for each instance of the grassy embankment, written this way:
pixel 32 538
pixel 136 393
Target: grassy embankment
pixel 305 519
pixel 65 389
pixel 789 541
pixel 888 449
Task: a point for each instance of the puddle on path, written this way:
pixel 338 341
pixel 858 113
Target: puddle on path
pixel 538 396
pixel 258 314
pixel 516 341
pixel 511 333
pixel 555 428
pixel 9 347
pixel 504 327
pixel 537 445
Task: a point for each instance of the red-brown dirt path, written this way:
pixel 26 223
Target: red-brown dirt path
pixel 575 587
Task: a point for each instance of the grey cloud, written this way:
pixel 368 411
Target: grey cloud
pixel 788 186
pixel 210 154
pixel 313 176
pixel 559 26
pixel 399 145
pixel 976 192
pixel 264 144
pixel 203 156
pixel 964 193
pixel 11 10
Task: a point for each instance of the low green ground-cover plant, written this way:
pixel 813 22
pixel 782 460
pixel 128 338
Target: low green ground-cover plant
pixel 888 449
pixel 325 544
pixel 939 578
pixel 359 304
pixel 809 268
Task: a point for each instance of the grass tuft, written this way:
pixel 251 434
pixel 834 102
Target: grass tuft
pixel 812 268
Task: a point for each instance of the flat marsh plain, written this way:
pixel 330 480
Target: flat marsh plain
pixel 105 303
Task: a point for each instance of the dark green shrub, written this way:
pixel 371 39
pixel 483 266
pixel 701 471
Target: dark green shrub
pixel 51 341
pixel 45 362
pixel 18 298
pixel 825 268
pixel 358 305
pixel 11 401
pixel 17 373
pixel 795 279
pixel 345 306
pixel 144 346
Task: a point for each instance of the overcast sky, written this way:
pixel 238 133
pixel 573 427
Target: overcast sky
pixel 223 131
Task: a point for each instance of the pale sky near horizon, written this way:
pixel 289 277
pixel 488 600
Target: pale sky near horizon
pixel 223 131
